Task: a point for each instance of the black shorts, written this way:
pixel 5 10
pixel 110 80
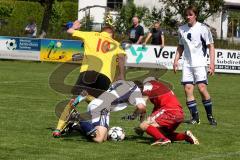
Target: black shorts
pixel 93 82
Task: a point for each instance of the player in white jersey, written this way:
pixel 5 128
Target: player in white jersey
pixel 194 39
pixel 95 122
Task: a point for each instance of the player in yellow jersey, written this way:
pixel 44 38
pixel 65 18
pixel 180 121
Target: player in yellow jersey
pixel 102 55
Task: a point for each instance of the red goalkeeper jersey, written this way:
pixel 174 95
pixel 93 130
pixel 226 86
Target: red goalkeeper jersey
pixel 161 96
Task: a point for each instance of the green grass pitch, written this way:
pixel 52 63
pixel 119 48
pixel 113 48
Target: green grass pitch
pixel 27 115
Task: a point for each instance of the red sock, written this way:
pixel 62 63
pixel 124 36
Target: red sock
pixel 155 133
pixel 177 136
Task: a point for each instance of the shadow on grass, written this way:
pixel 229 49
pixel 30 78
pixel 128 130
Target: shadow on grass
pixel 73 135
pixel 139 139
pixel 78 136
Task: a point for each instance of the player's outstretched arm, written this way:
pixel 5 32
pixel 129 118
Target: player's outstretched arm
pixel 121 63
pixel 163 41
pixel 140 111
pixel 147 38
pixel 140 40
pixel 177 57
pixel 212 59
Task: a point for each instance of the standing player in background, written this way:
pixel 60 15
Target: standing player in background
pixel 166 116
pixel 98 69
pixel 194 39
pixel 156 34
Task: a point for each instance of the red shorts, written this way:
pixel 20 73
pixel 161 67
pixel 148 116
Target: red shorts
pixel 168 119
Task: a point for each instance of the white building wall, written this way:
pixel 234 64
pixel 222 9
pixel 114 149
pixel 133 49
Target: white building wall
pixel 97 13
pixel 148 3
pixel 215 22
pixel 232 2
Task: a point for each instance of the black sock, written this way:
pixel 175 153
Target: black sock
pixel 208 106
pixel 104 118
pixel 192 106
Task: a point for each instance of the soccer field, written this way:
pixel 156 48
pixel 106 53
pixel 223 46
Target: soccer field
pixel 27 114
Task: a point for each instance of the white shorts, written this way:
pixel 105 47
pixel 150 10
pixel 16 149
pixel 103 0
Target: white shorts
pixel 114 99
pixel 194 75
pixel 95 108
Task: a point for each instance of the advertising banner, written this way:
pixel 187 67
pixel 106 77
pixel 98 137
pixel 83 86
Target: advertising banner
pixel 61 50
pixel 19 48
pixel 151 56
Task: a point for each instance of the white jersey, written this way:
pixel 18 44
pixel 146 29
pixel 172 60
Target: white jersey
pixel 114 99
pixel 195 40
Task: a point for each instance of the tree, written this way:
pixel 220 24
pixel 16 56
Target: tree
pixel 86 22
pixel 56 19
pixel 48 6
pixel 169 22
pixel 206 7
pixel 108 19
pixel 124 19
pixel 6 10
pixel 154 16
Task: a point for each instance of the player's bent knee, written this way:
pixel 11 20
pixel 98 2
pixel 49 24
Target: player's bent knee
pixel 189 88
pixel 144 125
pixel 202 88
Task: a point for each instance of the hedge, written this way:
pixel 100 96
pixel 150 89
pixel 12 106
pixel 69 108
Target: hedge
pixel 23 10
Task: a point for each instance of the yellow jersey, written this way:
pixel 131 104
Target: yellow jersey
pixel 100 53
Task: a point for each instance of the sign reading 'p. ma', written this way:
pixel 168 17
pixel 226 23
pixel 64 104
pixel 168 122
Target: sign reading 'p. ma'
pixel 226 61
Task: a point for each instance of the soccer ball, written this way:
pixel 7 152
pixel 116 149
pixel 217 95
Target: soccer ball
pixel 11 44
pixel 116 134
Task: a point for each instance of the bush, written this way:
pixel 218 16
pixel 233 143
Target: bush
pixel 6 9
pixel 69 11
pixel 23 10
pixel 19 17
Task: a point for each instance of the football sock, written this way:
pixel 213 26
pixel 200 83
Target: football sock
pixel 63 118
pixel 155 133
pixel 177 136
pixel 89 98
pixel 208 106
pixel 192 106
pixel 104 118
pixel 78 99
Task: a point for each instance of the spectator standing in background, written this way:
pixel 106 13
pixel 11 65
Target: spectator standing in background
pixel 136 32
pixel 157 35
pixel 31 29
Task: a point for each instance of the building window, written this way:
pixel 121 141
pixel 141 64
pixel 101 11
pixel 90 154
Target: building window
pixel 114 4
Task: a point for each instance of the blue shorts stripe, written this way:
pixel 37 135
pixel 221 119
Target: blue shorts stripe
pixel 187 82
pixel 204 81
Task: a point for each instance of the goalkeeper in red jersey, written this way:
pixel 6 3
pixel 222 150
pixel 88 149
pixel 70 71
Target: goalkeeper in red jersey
pixel 166 116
